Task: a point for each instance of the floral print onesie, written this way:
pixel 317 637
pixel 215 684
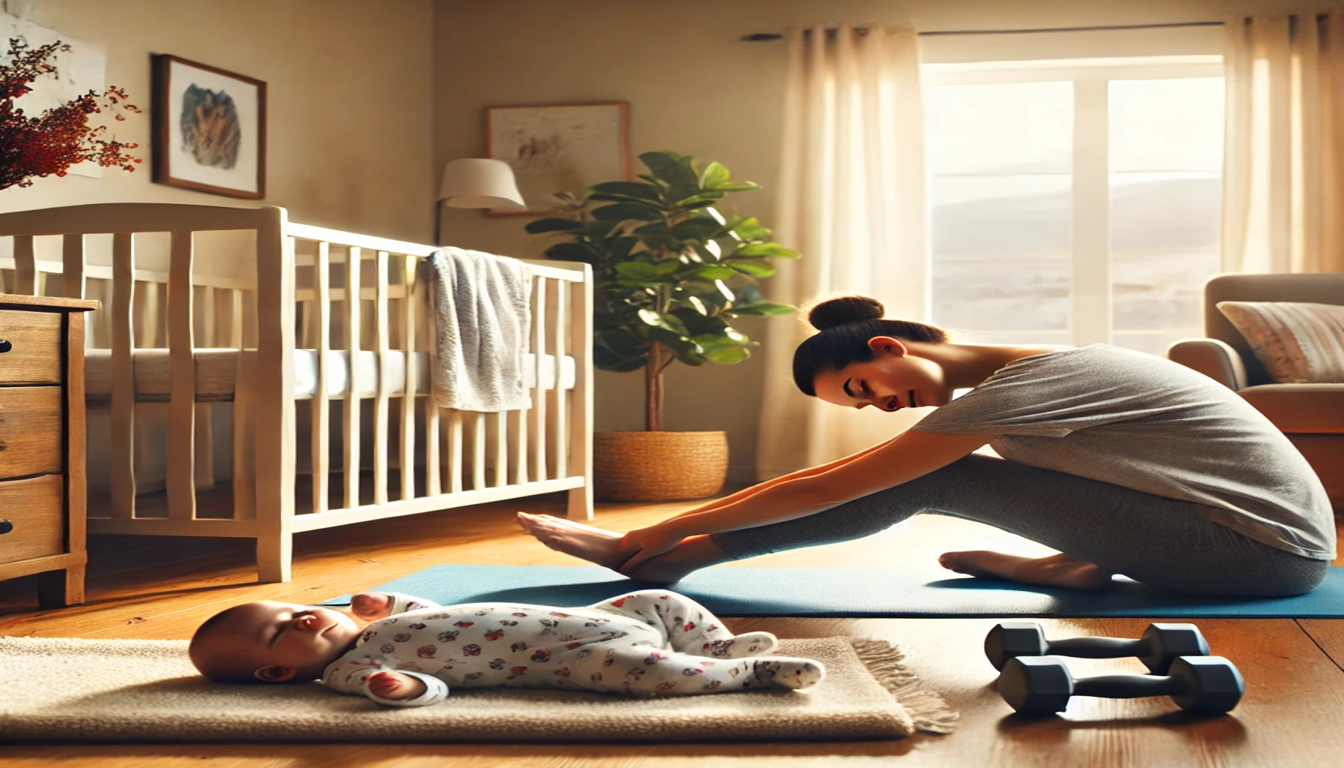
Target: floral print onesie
pixel 647 643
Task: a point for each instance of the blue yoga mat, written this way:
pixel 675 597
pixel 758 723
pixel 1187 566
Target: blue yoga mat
pixel 849 593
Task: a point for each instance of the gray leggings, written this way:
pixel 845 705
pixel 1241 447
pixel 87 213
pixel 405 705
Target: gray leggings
pixel 1161 542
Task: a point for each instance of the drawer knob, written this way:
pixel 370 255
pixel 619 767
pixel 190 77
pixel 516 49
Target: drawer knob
pixel 6 526
pixel 5 345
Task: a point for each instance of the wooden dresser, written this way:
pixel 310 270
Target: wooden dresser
pixel 42 435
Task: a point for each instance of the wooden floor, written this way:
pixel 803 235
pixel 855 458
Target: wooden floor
pixel 143 587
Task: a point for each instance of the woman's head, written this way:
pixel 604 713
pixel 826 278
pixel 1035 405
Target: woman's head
pixel 855 339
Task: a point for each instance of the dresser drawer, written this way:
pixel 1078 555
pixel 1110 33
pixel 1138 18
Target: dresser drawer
pixel 31 431
pixel 34 349
pixel 35 509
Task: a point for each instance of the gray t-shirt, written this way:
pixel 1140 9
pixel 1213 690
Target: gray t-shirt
pixel 1146 423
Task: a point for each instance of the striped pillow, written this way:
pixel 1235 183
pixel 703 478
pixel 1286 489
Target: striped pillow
pixel 1297 343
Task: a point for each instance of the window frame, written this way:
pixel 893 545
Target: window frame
pixel 1091 313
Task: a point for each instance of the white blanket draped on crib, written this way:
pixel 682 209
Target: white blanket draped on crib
pixel 481 313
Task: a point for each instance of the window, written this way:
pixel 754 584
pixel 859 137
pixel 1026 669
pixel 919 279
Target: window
pixel 1074 202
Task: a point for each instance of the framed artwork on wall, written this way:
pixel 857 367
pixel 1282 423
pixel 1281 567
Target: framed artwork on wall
pixel 555 148
pixel 209 129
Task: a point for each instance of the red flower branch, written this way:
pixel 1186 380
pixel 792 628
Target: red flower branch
pixel 61 136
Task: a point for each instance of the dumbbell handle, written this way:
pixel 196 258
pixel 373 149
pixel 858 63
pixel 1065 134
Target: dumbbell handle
pixel 1097 647
pixel 1128 686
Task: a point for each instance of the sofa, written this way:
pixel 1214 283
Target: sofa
pixel 1310 415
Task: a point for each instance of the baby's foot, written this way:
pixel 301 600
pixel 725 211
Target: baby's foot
pixel 582 541
pixel 784 672
pixel 741 646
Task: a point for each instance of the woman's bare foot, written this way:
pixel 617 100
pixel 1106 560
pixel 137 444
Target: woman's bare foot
pixel 585 542
pixel 1055 571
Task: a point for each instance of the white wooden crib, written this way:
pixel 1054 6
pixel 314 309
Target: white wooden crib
pixel 218 322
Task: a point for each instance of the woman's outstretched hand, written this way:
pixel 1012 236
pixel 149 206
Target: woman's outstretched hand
pixel 646 543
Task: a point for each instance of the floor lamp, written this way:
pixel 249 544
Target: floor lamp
pixel 477 183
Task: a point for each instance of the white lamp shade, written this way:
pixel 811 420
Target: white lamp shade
pixel 480 183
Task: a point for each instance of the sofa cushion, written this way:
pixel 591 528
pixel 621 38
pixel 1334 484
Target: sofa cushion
pixel 1296 342
pixel 1300 408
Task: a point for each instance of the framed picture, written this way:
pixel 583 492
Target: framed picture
pixel 557 148
pixel 209 129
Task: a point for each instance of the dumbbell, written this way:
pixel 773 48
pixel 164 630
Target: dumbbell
pixel 1040 685
pixel 1160 645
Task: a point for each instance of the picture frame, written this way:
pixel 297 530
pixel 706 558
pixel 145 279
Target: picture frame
pixel 556 148
pixel 209 128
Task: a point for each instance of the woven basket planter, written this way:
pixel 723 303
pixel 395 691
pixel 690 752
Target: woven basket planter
pixel 658 466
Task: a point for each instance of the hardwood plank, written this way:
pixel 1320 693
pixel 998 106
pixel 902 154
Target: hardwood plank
pixel 161 587
pixel 1329 635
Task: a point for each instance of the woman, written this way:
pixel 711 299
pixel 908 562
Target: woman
pixel 1124 462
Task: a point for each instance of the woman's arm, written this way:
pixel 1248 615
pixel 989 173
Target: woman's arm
pixel 908 456
pixel 806 472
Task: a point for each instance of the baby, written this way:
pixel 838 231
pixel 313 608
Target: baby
pixel 413 651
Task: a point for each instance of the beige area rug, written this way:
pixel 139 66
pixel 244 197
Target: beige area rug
pixel 70 690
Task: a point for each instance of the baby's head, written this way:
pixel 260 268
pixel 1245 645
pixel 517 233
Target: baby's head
pixel 271 642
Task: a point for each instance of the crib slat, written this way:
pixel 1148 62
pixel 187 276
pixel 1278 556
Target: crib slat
pixel 455 451
pixel 244 435
pixel 321 405
pixel 380 409
pixel 122 455
pixel 499 421
pixel 538 383
pixel 25 266
pixel 559 393
pixel 276 434
pixel 518 437
pixel 477 450
pixel 408 318
pixel 433 437
pixel 351 406
pixel 205 422
pixel 580 436
pixel 72 269
pixel 181 478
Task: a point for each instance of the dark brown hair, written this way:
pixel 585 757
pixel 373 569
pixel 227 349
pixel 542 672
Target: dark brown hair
pixel 846 323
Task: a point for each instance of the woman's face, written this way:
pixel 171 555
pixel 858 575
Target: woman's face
pixel 894 379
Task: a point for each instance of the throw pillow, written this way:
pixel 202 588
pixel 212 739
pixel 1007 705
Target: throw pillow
pixel 1297 343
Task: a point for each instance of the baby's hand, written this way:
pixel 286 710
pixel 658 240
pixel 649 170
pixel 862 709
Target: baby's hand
pixel 371 606
pixel 395 686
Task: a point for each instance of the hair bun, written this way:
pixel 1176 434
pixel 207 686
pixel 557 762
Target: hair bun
pixel 845 309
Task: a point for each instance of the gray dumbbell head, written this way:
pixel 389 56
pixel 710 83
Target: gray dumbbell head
pixel 1215 685
pixel 1012 639
pixel 1170 641
pixel 1036 685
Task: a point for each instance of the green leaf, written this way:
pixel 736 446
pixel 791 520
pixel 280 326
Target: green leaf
pixel 714 175
pixel 695 229
pixel 738 186
pixel 675 170
pixel 749 229
pixel 769 250
pixel 714 272
pixel 698 305
pixel 752 267
pixel 761 308
pixel 638 271
pixel 624 211
pixel 700 200
pixel 628 189
pixel 553 225
pixel 727 355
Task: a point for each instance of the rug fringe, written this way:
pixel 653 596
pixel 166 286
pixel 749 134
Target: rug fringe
pixel 885 662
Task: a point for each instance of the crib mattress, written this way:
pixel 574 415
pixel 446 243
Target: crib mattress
pixel 217 373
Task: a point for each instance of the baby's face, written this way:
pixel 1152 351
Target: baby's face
pixel 283 641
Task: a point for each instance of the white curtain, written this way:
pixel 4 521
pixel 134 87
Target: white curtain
pixel 852 201
pixel 1284 164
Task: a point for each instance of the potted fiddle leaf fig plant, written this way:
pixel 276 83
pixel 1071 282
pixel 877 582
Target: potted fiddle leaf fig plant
pixel 672 276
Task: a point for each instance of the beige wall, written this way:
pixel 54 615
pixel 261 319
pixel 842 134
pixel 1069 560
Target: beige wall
pixel 695 88
pixel 349 94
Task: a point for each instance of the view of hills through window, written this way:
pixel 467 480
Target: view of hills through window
pixel 1019 168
